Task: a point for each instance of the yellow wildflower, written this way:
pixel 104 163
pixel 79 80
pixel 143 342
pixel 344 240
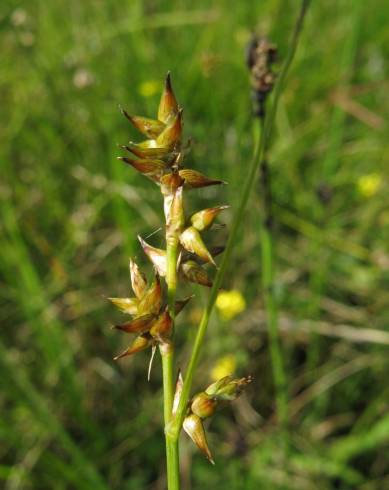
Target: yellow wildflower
pixel 224 366
pixel 369 184
pixel 230 303
pixel 149 88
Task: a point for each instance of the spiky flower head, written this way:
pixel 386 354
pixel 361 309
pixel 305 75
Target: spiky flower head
pixel 150 319
pixel 204 404
pixel 160 158
pixel 261 54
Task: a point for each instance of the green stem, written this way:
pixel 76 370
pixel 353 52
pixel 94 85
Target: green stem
pixel 172 454
pixel 167 353
pixel 174 427
pixel 271 307
pixel 267 245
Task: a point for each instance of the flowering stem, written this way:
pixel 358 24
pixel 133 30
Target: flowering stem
pixel 172 456
pixel 267 245
pixel 261 139
pixel 167 353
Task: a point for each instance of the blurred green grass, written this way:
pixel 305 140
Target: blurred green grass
pixel 70 212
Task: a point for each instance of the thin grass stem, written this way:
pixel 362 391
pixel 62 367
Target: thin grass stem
pixel 268 258
pixel 167 353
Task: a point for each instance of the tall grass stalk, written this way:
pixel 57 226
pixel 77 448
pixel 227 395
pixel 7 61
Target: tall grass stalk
pixel 261 143
pixel 331 159
pixel 268 255
pixel 167 354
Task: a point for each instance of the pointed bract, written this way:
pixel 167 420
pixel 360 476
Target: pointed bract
pixel 177 392
pixel 214 251
pixel 193 426
pixel 150 168
pixel 195 180
pixel 138 280
pixel 168 106
pixel 180 304
pixel 156 255
pixel 204 219
pixel 147 149
pixel 192 242
pixel 153 350
pixel 142 324
pixel 149 127
pixel 140 343
pixel 126 305
pixel 151 301
pixel 175 219
pixel 171 136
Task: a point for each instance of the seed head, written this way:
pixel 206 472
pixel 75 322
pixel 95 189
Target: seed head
pixel 261 55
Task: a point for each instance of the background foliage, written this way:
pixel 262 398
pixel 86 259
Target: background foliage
pixel 70 212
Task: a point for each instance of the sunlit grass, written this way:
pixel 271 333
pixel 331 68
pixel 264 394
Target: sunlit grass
pixel 73 419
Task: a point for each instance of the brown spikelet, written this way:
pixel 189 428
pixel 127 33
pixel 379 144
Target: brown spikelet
pixel 140 343
pixel 138 280
pixel 171 135
pixel 162 327
pixel 168 106
pixel 151 301
pixel 202 220
pixel 147 149
pixel 196 180
pixel 192 242
pixel 126 305
pixel 149 127
pixel 141 324
pixel 150 168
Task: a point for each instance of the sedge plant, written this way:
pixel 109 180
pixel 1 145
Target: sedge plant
pixel 160 158
pixel 154 306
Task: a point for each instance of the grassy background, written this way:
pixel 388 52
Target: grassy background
pixel 70 212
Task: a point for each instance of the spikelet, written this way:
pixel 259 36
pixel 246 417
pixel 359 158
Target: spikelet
pixel 192 242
